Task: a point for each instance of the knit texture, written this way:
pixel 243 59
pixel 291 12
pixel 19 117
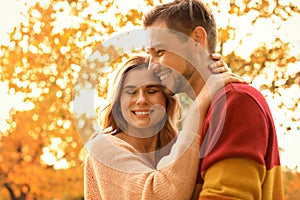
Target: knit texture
pixel 115 170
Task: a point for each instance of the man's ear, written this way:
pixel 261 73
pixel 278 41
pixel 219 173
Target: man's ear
pixel 199 36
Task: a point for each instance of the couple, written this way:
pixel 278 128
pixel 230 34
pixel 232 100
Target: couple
pixel 144 156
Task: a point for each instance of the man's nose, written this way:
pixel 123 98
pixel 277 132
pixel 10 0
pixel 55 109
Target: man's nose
pixel 153 66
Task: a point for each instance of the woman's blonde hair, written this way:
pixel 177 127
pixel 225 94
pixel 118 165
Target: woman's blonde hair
pixel 112 120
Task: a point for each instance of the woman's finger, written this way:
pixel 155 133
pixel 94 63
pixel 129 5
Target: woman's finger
pixel 216 56
pixel 219 67
pixel 231 77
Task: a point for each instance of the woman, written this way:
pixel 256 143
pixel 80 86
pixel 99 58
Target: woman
pixel 141 156
pixel 138 109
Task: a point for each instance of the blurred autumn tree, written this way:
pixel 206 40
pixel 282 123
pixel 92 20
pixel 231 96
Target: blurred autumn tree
pixel 292 185
pixel 41 153
pixel 41 150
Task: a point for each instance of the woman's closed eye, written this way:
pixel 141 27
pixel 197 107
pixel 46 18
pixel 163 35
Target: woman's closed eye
pixel 148 89
pixel 152 91
pixel 130 92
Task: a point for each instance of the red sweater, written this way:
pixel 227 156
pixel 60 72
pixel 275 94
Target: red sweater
pixel 239 156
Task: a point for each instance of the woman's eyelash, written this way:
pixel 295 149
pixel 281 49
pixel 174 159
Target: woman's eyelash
pixel 129 92
pixel 152 91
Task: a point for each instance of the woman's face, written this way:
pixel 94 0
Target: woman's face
pixel 143 102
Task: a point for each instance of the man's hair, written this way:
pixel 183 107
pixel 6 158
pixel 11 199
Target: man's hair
pixel 184 16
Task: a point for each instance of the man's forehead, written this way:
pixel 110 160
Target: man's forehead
pixel 161 38
pixel 158 37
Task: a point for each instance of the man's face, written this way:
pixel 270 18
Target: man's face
pixel 169 58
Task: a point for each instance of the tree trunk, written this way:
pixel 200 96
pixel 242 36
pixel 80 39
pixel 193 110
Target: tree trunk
pixel 12 193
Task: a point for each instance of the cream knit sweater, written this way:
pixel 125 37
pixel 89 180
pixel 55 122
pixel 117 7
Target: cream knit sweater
pixel 115 170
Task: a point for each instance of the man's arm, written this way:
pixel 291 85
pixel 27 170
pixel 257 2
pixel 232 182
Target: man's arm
pixel 235 146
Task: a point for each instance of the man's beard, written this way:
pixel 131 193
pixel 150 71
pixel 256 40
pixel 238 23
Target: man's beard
pixel 189 71
pixel 181 83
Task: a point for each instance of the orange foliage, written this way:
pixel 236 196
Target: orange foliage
pixel 38 65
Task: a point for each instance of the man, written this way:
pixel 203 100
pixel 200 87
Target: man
pixel 239 156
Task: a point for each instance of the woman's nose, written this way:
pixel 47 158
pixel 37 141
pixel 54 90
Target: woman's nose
pixel 141 98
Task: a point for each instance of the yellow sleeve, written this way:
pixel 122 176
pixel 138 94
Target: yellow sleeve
pixel 234 178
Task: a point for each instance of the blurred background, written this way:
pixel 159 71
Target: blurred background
pixel 43 44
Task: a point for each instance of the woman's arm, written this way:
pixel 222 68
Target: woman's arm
pixel 114 170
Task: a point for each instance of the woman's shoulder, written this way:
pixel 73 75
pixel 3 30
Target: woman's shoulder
pixel 107 142
pixel 109 150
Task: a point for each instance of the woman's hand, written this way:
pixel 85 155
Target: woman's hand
pixel 216 81
pixel 198 109
pixel 213 84
pixel 218 66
